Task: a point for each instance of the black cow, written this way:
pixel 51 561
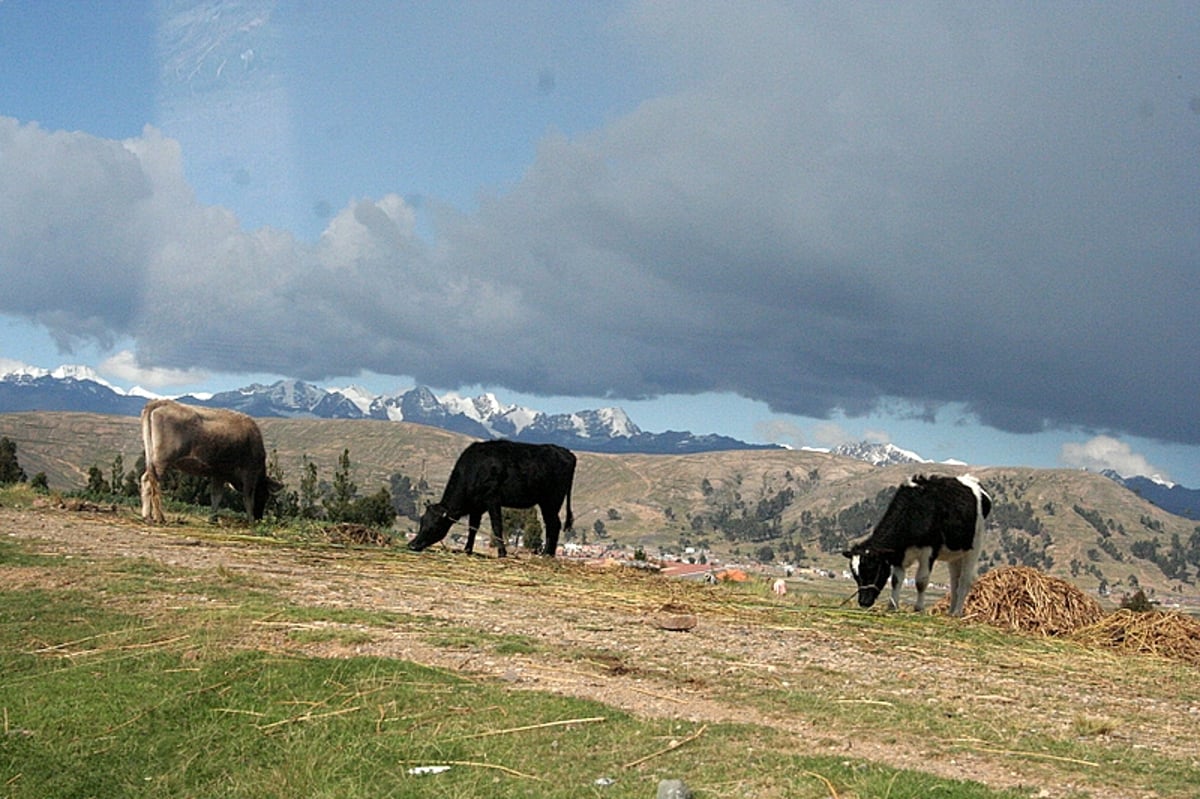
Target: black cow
pixel 223 445
pixel 490 475
pixel 930 518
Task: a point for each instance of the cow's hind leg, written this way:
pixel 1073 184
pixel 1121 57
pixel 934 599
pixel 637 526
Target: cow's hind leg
pixel 496 514
pixel 962 576
pixel 955 568
pixel 151 497
pixel 553 528
pixel 248 498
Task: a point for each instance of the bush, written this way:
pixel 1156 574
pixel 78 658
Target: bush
pixel 10 470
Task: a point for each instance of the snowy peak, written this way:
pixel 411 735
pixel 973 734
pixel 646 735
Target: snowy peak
pixel 878 454
pixel 1169 496
pixel 64 372
pixel 485 416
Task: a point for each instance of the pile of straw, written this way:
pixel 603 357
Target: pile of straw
pixel 1171 635
pixel 1021 598
pixel 347 534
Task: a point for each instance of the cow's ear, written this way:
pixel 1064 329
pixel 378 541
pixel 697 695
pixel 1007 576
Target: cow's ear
pixel 847 553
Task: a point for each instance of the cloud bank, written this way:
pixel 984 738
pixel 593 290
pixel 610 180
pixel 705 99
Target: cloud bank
pixel 994 206
pixel 1106 452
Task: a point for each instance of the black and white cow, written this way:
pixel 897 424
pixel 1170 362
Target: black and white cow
pixel 930 518
pixel 491 475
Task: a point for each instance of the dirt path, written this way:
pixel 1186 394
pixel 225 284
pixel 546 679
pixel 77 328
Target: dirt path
pixel 599 646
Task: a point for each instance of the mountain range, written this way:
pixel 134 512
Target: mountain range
pixel 1171 497
pixel 604 430
pixel 607 430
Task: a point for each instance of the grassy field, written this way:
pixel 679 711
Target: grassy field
pixel 201 661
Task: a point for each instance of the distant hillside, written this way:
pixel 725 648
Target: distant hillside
pixel 1075 524
pixel 1169 496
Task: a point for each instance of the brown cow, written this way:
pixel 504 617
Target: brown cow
pixel 224 445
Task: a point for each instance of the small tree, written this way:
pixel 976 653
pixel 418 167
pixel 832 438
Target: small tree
pixel 375 510
pixel 342 495
pixel 309 509
pixel 117 474
pixel 1137 602
pixel 10 470
pixel 527 523
pixel 96 483
pixel 282 504
pixel 406 496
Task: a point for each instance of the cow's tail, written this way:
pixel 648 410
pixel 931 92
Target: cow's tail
pixel 150 490
pixel 569 524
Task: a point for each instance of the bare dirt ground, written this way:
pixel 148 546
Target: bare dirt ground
pixel 600 645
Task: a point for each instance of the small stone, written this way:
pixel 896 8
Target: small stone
pixel 673 789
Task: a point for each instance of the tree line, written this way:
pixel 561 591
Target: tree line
pixel 337 500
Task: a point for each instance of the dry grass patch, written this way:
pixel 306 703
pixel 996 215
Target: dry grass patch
pixel 1170 635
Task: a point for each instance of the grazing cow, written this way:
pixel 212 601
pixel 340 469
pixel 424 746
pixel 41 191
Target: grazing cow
pixel 490 475
pixel 224 445
pixel 929 518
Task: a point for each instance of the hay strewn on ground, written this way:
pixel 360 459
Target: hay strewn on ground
pixel 1022 598
pixel 1155 632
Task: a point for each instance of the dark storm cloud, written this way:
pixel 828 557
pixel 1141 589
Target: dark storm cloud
pixel 837 207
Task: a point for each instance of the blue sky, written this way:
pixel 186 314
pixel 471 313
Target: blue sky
pixel 972 230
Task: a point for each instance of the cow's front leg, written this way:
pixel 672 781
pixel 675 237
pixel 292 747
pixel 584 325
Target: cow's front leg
pixel 923 568
pixel 217 493
pixel 474 518
pixel 897 581
pixel 496 515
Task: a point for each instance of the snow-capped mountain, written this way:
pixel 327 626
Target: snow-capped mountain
pixel 1169 496
pixel 485 416
pixel 878 454
pixel 68 388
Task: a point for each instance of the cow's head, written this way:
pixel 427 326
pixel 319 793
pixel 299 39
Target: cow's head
pixel 871 569
pixel 435 523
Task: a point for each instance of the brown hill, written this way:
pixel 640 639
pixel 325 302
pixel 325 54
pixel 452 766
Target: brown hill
pixel 1073 524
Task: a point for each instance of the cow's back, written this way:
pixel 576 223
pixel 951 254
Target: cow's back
pixel 220 439
pixel 510 473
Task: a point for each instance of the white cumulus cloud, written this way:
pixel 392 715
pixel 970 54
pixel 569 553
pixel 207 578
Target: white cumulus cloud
pixel 124 366
pixel 1106 452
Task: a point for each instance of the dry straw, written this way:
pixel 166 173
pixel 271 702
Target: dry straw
pixel 1171 635
pixel 1021 598
pixel 1025 599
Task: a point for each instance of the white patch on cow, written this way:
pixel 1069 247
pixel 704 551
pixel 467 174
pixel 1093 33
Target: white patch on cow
pixel 962 572
pixel 855 560
pixel 913 554
pixel 980 523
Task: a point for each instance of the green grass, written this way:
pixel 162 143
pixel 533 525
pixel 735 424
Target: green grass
pixel 175 701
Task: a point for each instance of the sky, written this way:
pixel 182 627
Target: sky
pixel 968 229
